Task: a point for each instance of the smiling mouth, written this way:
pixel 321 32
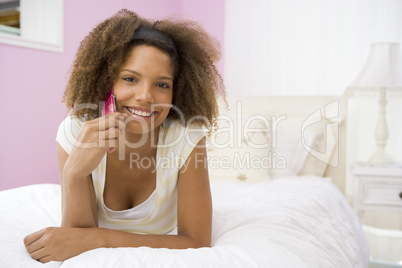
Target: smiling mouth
pixel 140 113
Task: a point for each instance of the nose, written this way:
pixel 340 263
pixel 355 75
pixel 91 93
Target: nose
pixel 144 93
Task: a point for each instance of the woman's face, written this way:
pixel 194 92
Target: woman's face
pixel 144 88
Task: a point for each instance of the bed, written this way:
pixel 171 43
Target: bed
pixel 264 215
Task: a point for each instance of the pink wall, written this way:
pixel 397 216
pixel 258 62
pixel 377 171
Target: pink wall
pixel 32 83
pixel 211 15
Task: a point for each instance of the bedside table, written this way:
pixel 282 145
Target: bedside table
pixel 377 187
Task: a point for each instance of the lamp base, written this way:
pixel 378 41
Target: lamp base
pixel 381 134
pixel 380 157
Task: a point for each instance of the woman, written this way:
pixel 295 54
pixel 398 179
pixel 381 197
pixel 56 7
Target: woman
pixel 130 177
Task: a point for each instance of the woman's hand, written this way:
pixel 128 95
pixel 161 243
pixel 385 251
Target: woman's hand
pixel 59 244
pixel 96 137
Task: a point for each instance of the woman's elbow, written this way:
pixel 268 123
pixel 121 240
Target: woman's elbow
pixel 199 243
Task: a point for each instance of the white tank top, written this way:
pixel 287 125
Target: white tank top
pixel 138 212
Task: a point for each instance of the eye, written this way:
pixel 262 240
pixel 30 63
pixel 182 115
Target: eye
pixel 163 85
pixel 129 79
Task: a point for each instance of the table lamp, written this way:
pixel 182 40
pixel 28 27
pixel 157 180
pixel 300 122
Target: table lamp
pixel 381 73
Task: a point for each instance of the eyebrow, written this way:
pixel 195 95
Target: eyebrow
pixel 137 73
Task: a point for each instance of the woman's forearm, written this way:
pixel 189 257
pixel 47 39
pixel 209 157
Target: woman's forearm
pixel 109 238
pixel 78 202
pixel 59 244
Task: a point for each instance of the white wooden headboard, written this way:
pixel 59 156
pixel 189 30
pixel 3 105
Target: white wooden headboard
pixel 304 106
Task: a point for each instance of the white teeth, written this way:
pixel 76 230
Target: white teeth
pixel 140 113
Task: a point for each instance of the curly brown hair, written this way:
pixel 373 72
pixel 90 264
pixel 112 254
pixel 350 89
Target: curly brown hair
pixel 104 50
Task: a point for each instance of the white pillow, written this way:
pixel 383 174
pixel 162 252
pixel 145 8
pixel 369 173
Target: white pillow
pixel 321 149
pixel 239 150
pixel 289 152
pixel 305 143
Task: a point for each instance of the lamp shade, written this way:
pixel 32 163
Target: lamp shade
pixel 383 68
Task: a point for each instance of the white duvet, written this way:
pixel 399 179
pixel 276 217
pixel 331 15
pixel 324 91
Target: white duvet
pixel 290 222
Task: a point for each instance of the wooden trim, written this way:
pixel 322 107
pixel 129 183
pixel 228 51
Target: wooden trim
pixel 55 10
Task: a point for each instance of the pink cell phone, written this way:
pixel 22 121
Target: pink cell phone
pixel 110 104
